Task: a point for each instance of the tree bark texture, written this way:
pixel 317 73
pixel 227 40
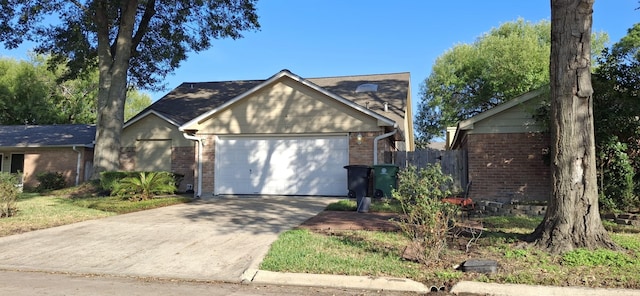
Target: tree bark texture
pixel 573 218
pixel 113 63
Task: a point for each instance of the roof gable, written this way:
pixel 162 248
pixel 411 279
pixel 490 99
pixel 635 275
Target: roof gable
pixel 64 135
pixel 192 99
pixel 383 121
pixel 468 124
pixel 471 123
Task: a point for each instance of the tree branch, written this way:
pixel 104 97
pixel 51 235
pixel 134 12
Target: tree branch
pixel 149 12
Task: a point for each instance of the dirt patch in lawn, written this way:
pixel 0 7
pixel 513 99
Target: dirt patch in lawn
pixel 352 220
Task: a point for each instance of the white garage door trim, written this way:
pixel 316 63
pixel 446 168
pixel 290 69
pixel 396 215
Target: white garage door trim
pixel 282 165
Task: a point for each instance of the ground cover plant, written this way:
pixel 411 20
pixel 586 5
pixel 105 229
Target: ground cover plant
pixel 75 204
pixel 374 253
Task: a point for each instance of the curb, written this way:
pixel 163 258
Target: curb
pixel 493 289
pixel 336 281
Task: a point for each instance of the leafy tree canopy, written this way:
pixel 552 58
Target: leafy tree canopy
pixel 164 31
pixel 471 78
pixel 131 42
pixel 32 93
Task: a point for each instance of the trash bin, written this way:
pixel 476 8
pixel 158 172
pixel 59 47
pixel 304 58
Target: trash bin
pixel 385 179
pixel 358 181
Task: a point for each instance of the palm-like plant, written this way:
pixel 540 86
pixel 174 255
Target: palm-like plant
pixel 145 186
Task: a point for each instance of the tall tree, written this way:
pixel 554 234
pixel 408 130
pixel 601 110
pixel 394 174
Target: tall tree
pixel 130 42
pixel 471 78
pixel 572 219
pixel 26 96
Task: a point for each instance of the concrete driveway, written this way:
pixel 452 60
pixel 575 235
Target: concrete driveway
pixel 215 239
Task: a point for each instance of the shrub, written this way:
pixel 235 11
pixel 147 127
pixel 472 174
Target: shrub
pixel 145 185
pixel 616 178
pixel 8 194
pixel 109 180
pixel 50 181
pixel 426 219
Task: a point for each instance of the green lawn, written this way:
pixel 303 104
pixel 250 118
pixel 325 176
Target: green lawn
pixel 36 211
pixel 379 254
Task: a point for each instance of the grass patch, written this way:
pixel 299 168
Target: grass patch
pixel 39 212
pixel 119 205
pixel 71 205
pixel 377 205
pixel 350 253
pixel 371 253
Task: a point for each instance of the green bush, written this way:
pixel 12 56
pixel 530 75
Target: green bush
pixel 427 219
pixel 9 192
pixel 616 186
pixel 50 181
pixel 109 180
pixel 145 185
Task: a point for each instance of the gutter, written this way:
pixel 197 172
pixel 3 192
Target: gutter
pixel 380 137
pixel 198 192
pixel 78 163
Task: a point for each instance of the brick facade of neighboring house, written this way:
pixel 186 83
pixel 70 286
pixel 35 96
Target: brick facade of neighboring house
pixel 34 149
pixel 509 166
pixel 56 160
pixel 505 151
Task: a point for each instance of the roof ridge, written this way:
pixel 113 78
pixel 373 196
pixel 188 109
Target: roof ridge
pixel 320 77
pixel 222 81
pixel 359 75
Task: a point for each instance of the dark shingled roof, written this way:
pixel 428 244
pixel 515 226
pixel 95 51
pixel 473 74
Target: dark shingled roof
pixel 47 135
pixel 192 99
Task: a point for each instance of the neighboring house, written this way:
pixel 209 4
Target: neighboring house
pixel 506 151
pixel 284 135
pixel 34 149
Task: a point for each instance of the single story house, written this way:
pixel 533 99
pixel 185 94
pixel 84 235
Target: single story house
pixel 506 151
pixel 34 149
pixel 285 135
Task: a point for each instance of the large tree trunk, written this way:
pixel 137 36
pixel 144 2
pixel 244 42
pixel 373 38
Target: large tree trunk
pixel 113 63
pixel 572 219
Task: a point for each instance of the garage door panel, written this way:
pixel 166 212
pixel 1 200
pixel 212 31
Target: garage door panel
pixel 288 166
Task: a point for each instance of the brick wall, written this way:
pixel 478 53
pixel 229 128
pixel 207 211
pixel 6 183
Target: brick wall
pixel 208 165
pixel 508 166
pixel 183 161
pixel 362 154
pixel 55 160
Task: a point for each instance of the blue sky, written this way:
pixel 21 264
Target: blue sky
pixel 318 38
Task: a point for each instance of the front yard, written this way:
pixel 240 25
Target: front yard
pixel 373 253
pixel 68 206
pixel 378 253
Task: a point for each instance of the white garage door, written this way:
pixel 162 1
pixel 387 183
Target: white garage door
pixel 282 165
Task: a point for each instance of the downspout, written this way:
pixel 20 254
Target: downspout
pixel 380 137
pixel 198 192
pixel 78 163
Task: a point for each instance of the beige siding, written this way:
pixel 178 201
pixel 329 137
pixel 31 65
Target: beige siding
pixel 515 120
pixel 153 127
pixel 153 155
pixel 286 107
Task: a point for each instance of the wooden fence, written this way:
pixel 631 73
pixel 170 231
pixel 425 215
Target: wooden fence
pixel 453 162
